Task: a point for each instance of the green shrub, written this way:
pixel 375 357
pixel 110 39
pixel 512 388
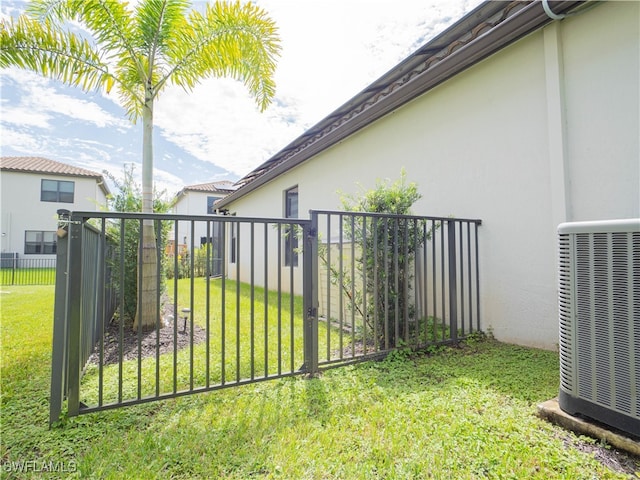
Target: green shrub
pixel 386 259
pixel 127 237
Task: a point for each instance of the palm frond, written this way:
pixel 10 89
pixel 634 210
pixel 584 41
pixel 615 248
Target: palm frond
pixel 111 28
pixel 141 50
pixel 236 40
pixel 58 12
pixel 155 20
pixel 108 21
pixel 43 48
pixel 130 88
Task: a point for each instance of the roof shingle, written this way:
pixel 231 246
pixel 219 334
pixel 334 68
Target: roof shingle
pixel 222 186
pixel 43 165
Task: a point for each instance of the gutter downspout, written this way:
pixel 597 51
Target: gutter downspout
pixel 559 176
pixel 550 13
pixel 588 5
pixel 559 166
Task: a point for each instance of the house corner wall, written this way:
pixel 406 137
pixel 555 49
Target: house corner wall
pixel 541 132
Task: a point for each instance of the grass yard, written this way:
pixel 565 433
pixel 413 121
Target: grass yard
pixel 27 276
pixel 461 413
pixel 258 342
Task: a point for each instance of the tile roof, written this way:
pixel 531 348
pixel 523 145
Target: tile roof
pixel 43 165
pixel 483 31
pixel 222 186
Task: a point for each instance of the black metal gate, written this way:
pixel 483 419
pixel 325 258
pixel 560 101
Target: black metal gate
pixel 350 286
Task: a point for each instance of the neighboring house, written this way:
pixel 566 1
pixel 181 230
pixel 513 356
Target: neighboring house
pixel 33 190
pixel 522 114
pixel 198 200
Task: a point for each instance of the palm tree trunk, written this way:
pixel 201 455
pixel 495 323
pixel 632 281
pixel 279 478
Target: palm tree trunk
pixel 147 305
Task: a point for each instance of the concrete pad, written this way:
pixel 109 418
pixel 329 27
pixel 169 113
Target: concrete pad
pixel 551 411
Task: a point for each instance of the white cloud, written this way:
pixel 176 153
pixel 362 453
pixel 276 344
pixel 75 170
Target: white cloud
pixel 332 49
pixel 25 143
pixel 41 100
pixel 167 183
pixel 20 116
pixel 219 123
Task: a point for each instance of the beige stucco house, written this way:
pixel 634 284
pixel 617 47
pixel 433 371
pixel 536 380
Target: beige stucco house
pixel 33 190
pixel 522 114
pixel 198 200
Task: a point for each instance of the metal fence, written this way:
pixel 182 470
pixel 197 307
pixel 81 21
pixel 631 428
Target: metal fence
pixel 85 292
pixel 15 270
pixel 390 281
pixel 269 298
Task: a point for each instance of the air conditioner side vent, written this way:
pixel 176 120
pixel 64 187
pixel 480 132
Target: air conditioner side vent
pixel 599 316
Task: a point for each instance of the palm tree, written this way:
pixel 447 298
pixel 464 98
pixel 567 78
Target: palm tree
pixel 139 51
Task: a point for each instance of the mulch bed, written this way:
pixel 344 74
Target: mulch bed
pixel 163 337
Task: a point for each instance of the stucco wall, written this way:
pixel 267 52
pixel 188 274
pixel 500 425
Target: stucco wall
pixel 602 75
pixel 479 147
pixel 22 209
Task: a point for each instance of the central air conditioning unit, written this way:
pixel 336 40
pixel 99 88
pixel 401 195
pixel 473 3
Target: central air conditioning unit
pixel 599 309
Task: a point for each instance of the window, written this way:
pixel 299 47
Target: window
pixel 234 242
pixel 291 233
pixel 57 191
pixel 37 242
pixel 210 201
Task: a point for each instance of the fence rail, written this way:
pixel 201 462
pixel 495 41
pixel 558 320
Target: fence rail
pixel 256 299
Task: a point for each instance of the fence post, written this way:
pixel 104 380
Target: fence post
pixel 453 281
pixel 14 265
pixel 74 313
pixel 59 348
pixel 310 295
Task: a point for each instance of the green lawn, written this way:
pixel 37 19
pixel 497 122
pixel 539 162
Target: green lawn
pixel 254 345
pixel 27 276
pixel 457 413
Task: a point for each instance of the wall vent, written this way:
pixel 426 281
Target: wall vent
pixel 599 310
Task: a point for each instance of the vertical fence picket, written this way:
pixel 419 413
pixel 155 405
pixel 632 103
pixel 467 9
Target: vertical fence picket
pixel 74 314
pixel 59 352
pixel 237 339
pixel 223 309
pixel 292 350
pixel 266 299
pixel 158 307
pixel 453 297
pixel 208 276
pixel 252 310
pixel 310 296
pixel 279 255
pixel 175 306
pixel 340 283
pixel 328 286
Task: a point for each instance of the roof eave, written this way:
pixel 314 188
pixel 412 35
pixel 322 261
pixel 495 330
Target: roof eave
pixel 97 177
pixel 529 18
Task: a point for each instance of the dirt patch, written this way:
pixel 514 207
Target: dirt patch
pixel 617 460
pixel 173 331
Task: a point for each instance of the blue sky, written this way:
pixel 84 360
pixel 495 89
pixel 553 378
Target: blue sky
pixel 332 49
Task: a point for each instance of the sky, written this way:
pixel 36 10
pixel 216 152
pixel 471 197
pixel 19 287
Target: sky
pixel 331 50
